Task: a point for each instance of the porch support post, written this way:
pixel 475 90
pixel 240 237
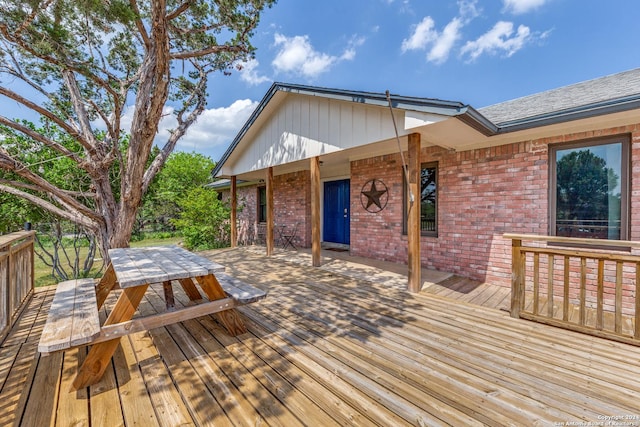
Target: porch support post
pixel 413 220
pixel 234 212
pixel 270 218
pixel 315 212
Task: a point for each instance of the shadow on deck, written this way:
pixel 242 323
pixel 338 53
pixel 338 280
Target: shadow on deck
pixel 343 344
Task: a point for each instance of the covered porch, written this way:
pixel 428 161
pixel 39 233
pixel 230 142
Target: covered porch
pixel 343 344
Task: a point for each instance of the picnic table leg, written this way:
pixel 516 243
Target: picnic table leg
pixel 105 285
pixel 228 318
pixel 168 295
pixel 100 354
pixel 190 289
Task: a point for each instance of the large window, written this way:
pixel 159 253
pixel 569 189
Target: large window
pixel 262 204
pixel 590 189
pixel 428 200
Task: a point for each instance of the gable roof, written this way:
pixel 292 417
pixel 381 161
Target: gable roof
pixel 440 107
pixel 606 95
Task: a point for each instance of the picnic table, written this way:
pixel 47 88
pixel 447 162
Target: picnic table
pixel 73 318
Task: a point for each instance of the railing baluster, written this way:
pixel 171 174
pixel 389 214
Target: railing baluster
pixel 600 297
pixel 618 321
pixel 597 270
pixel 536 283
pixel 517 279
pixel 550 286
pixel 583 290
pixel 565 302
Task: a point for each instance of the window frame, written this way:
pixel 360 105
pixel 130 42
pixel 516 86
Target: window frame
pixel 625 178
pixel 259 205
pixel 423 165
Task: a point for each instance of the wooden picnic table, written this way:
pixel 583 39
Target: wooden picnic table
pixel 73 318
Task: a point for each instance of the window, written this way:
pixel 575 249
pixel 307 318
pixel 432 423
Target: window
pixel 262 204
pixel 428 200
pixel 590 189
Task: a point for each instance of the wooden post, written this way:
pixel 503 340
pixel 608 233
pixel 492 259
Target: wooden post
pixel 517 277
pixel 234 212
pixel 269 191
pixel 315 212
pixel 413 219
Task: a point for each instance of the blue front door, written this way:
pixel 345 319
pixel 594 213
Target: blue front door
pixel 336 211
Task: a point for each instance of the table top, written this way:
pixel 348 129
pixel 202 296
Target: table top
pixel 155 264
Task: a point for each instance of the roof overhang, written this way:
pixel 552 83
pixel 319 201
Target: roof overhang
pixel 448 124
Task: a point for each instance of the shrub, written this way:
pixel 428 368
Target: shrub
pixel 203 220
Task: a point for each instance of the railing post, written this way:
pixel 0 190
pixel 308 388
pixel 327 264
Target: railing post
pixel 517 278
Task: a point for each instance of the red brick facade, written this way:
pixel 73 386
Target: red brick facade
pixel 482 194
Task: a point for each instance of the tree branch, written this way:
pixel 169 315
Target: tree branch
pixel 40 138
pixel 78 105
pixel 82 69
pixel 32 16
pixel 7 162
pixel 75 217
pixel 140 24
pixel 19 184
pixel 208 51
pixel 199 92
pixel 184 6
pixel 49 115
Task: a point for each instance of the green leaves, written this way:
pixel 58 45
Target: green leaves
pixel 203 221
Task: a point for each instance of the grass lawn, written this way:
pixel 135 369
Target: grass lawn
pixel 43 275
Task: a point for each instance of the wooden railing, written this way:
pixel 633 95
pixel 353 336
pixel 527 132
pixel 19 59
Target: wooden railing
pixel 586 285
pixel 16 276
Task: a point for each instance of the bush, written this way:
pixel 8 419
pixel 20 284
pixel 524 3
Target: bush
pixel 203 221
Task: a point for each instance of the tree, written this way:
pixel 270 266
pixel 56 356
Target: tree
pixel 80 64
pixel 181 173
pixel 203 220
pixel 585 185
pixel 585 189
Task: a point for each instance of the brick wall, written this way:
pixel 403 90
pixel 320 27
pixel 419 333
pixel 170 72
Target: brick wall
pixel 483 193
pixel 292 204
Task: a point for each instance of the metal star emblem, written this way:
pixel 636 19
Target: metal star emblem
pixel 374 196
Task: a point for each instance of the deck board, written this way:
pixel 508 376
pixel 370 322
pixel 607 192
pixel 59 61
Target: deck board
pixel 326 348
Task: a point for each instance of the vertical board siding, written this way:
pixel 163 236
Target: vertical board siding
pixel 302 127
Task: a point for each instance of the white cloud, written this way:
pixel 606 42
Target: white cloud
pixel 249 73
pixel 298 56
pixel 440 44
pixel 423 35
pixel 443 44
pixel 499 39
pixel 215 127
pixel 350 52
pixel 518 7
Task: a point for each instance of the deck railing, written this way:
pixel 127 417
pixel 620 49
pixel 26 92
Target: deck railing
pixel 16 276
pixel 586 285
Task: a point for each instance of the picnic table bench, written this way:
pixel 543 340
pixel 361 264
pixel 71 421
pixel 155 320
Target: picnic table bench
pixel 74 321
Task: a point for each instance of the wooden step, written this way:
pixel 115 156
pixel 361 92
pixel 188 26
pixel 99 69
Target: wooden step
pixel 73 318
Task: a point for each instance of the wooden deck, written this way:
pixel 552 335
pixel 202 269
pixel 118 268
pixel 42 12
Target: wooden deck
pixel 328 347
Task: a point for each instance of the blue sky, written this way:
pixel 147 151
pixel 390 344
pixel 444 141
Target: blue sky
pixel 479 52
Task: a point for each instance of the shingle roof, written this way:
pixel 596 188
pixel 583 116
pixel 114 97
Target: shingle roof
pixel 567 98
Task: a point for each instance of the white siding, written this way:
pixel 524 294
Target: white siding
pixel 307 126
